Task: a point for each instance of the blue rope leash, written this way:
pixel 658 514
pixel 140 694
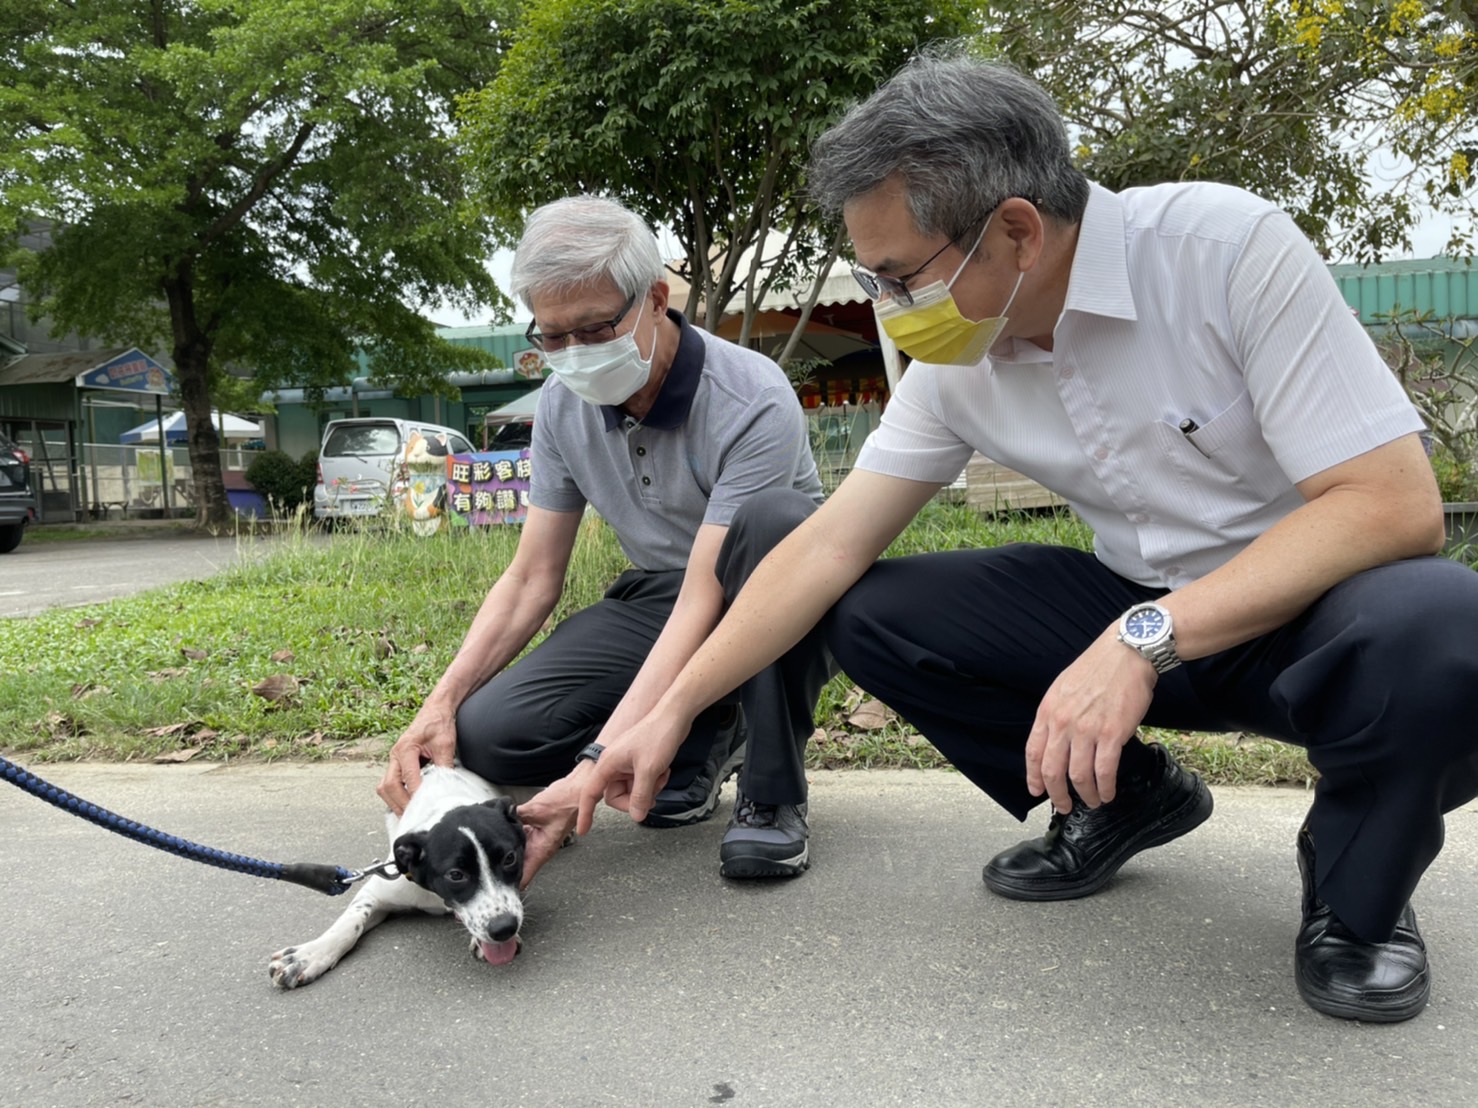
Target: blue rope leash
pixel 331 880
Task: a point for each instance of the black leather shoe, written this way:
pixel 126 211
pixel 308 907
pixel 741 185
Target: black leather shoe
pixel 1086 847
pixel 1344 976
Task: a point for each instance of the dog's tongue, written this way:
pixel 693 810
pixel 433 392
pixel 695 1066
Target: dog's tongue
pixel 497 954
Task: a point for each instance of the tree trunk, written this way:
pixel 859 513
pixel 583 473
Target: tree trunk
pixel 192 348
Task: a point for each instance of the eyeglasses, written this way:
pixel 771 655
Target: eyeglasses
pixel 875 284
pixel 590 335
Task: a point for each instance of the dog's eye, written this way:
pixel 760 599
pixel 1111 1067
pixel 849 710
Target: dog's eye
pixel 510 859
pixel 456 876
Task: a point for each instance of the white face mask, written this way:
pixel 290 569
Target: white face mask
pixel 605 373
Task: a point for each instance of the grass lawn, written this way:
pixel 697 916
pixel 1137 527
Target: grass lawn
pixel 325 649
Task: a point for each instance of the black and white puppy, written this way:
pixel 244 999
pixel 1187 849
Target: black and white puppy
pixel 459 848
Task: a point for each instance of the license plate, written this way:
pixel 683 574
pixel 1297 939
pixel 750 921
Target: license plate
pixel 360 507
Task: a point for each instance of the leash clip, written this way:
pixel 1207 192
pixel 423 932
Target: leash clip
pixel 377 868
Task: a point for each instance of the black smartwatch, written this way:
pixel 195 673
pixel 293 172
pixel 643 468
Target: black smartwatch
pixel 592 752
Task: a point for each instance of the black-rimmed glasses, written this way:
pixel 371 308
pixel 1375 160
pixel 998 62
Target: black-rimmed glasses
pixel 875 284
pixel 591 334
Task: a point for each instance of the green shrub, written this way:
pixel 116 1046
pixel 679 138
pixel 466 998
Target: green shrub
pixel 1452 476
pixel 286 484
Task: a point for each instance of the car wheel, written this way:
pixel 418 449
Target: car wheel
pixel 10 536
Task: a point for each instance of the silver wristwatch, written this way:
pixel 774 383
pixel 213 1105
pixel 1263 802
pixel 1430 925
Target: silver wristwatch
pixel 1148 629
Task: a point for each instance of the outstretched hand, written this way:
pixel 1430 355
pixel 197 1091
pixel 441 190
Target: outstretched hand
pixel 634 766
pixel 548 818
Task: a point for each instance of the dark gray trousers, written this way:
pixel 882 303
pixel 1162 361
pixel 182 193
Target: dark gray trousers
pixel 1378 680
pixel 525 726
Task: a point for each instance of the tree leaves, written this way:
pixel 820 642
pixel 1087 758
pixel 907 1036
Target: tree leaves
pixel 264 184
pixel 1293 101
pixel 696 115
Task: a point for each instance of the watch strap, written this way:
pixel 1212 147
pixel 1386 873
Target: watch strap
pixel 1161 655
pixel 591 751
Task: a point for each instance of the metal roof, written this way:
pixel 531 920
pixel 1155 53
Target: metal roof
pixel 1444 287
pixel 45 369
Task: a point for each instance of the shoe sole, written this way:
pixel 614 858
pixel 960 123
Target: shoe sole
pixel 705 810
pixel 1190 815
pixel 1396 1013
pixel 747 867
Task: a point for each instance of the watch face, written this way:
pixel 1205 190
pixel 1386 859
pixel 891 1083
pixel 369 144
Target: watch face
pixel 1144 625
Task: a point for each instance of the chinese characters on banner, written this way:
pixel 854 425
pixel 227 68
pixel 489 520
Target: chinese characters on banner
pixel 489 488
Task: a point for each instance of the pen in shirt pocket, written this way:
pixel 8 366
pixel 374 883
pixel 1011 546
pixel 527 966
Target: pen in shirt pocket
pixel 1188 428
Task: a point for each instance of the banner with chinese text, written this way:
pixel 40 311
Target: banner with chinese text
pixel 484 489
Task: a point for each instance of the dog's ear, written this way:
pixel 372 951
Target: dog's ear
pixel 410 848
pixel 508 809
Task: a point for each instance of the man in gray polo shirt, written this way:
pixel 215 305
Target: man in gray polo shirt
pixel 674 436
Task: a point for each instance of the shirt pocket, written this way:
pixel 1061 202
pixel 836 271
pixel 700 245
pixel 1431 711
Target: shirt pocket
pixel 1225 466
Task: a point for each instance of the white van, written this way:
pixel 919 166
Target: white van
pixel 359 462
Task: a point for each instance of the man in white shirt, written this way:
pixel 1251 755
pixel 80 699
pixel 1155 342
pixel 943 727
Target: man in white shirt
pixel 1177 363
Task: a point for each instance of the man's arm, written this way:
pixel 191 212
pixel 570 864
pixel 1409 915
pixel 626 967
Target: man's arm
pixel 549 816
pixel 786 596
pixel 513 611
pixel 699 605
pixel 1379 507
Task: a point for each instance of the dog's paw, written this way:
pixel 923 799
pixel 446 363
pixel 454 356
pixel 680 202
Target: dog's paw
pixel 298 965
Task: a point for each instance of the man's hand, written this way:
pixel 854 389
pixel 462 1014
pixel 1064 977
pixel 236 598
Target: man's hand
pixel 633 768
pixel 431 737
pixel 548 818
pixel 1085 719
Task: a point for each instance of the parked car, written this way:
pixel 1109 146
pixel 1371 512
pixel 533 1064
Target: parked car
pixel 514 435
pixel 361 463
pixel 17 502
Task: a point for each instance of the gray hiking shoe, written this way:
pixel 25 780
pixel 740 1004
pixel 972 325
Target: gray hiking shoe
pixel 765 840
pixel 696 802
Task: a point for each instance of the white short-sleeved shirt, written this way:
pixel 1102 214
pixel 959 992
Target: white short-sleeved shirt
pixel 1194 302
pixel 726 423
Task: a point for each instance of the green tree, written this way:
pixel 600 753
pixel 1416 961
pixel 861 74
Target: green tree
pixel 695 114
pixel 1289 98
pixel 264 186
pixel 1419 61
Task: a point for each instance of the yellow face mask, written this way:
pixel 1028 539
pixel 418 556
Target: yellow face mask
pixel 931 329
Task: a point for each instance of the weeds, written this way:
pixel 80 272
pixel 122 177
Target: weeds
pixel 318 647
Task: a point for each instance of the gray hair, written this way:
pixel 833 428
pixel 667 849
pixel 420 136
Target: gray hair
pixel 581 240
pixel 962 134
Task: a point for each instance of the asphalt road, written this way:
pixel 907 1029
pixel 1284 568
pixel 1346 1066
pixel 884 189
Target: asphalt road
pixel 37 576
pixel 887 975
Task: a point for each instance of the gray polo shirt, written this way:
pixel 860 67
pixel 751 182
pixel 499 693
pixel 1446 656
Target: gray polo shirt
pixel 725 425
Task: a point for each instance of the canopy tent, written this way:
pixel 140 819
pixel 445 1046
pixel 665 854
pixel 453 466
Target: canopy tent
pixel 515 411
pixel 229 427
pixel 770 330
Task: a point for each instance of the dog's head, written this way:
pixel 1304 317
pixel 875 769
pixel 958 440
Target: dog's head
pixel 473 859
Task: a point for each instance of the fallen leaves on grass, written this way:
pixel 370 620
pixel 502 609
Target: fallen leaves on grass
pixel 59 725
pixel 277 687
pixel 169 729
pixel 175 756
pixel 871 715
